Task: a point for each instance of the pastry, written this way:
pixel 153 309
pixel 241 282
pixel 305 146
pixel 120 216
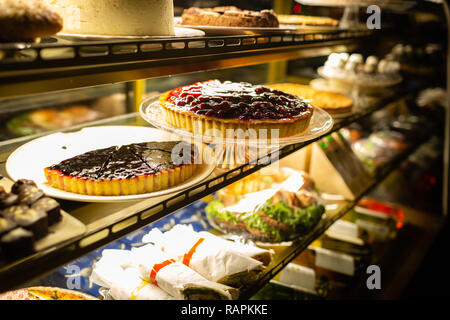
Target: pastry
pixel 29 195
pixel 307 20
pixel 25 208
pixel 21 183
pixel 51 119
pixel 222 108
pixel 10 211
pixel 354 68
pixel 27 20
pixel 229 17
pixel 8 199
pixel 51 207
pixel 6 225
pixel 116 17
pixel 130 169
pixel 17 243
pixel 54 293
pixel 33 220
pixel 331 102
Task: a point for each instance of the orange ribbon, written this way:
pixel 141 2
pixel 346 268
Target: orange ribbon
pixel 188 256
pixel 158 267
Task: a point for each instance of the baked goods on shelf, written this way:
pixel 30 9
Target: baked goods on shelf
pixel 116 17
pixel 27 20
pixel 229 16
pixel 41 120
pixel 268 208
pixel 129 169
pixel 25 216
pixel 214 258
pixel 303 20
pixel 220 109
pixel 331 102
pixel 54 293
pixel 353 67
pixel 163 275
pixel 44 293
pixel 180 263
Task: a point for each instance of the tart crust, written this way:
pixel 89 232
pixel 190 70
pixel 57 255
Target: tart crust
pixel 217 127
pixel 119 187
pixel 124 173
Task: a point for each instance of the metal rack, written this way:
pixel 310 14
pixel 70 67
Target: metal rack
pixel 37 68
pixel 46 67
pixel 109 222
pixel 294 250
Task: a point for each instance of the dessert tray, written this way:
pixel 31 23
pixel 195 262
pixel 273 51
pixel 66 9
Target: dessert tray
pixel 51 149
pixel 321 122
pixel 68 228
pixel 180 32
pixel 230 31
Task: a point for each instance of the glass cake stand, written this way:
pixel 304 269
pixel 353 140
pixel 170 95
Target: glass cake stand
pixel 240 148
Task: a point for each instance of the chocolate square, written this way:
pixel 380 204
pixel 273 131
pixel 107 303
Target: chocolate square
pixel 19 184
pixel 51 207
pixel 8 199
pixel 12 210
pixel 34 220
pixel 30 194
pixel 17 243
pixel 6 225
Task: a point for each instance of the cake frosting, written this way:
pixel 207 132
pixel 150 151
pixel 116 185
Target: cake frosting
pixel 116 17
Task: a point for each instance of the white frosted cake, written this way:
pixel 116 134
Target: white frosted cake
pixel 116 17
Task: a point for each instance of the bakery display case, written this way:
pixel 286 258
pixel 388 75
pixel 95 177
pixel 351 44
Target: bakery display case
pixel 95 203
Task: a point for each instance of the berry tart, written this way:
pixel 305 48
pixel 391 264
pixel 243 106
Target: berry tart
pixel 213 107
pixel 126 170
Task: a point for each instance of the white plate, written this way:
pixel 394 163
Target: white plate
pixel 321 122
pixel 29 160
pixel 229 31
pixel 179 33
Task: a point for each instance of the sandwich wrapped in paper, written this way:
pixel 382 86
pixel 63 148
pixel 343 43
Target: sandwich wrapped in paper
pixel 175 278
pixel 252 251
pixel 130 286
pixel 214 258
pixel 108 269
pixel 123 284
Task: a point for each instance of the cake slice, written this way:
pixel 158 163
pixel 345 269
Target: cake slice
pixel 125 174
pixel 171 166
pixel 79 174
